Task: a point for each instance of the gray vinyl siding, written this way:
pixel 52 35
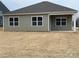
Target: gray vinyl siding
pixel 25 24
pixel 53 26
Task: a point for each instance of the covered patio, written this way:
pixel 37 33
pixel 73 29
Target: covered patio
pixel 62 22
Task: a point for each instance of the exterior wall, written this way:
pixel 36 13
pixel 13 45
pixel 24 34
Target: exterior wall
pixel 53 26
pixel 25 24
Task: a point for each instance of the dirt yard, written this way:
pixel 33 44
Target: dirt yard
pixel 39 44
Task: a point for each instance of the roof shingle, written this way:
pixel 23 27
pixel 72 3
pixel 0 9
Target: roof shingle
pixel 43 7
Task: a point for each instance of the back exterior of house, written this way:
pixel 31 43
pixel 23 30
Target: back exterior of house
pixel 44 16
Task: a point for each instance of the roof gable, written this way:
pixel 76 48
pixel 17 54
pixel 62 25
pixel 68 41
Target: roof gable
pixel 43 7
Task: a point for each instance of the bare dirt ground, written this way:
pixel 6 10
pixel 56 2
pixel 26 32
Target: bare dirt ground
pixel 39 44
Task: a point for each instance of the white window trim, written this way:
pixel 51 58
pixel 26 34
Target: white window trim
pixel 61 21
pixel 13 21
pixel 36 21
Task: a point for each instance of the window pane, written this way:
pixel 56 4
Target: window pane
pixel 39 18
pixel 64 23
pixel 58 23
pixel 63 20
pixel 39 23
pixel 57 20
pixel 15 19
pixel 11 23
pixel 11 19
pixel 34 23
pixel 16 23
pixel 33 18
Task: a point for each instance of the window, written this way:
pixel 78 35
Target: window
pixel 61 21
pixel 39 21
pixel 57 22
pixel 36 21
pixel 16 21
pixel 13 21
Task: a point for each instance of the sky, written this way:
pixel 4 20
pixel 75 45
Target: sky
pixel 16 4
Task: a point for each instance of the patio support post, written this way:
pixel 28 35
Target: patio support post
pixel 74 25
pixel 48 22
pixel 74 21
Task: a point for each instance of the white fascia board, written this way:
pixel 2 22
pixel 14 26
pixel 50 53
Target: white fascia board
pixel 50 13
pixel 62 13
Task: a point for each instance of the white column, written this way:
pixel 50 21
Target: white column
pixel 74 25
pixel 48 22
pixel 74 21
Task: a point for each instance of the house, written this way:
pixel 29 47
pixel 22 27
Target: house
pixel 43 16
pixel 3 9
